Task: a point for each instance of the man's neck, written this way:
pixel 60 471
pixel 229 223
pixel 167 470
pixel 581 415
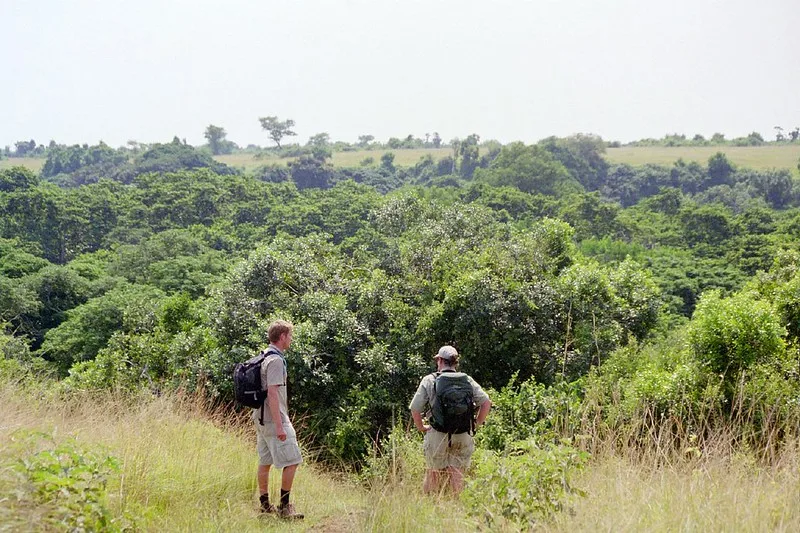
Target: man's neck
pixel 281 350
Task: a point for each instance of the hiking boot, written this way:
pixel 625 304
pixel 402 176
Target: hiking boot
pixel 287 512
pixel 267 507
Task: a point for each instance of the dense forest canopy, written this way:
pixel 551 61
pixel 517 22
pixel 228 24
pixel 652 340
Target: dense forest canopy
pixel 157 266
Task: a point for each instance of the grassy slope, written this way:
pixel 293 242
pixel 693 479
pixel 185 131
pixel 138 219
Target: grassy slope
pixel 32 163
pixel 185 470
pixel 758 157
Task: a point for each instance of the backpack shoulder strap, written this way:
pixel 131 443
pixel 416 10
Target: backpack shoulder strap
pixel 435 376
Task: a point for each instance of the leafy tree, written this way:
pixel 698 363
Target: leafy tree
pixel 311 172
pixel 277 129
pixel 530 169
pixel 320 146
pixel 387 161
pixel 15 262
pixel 468 152
pixel 24 148
pixel 85 164
pixel 216 140
pixel 15 178
pixel 172 157
pixel 730 334
pixel 706 225
pixel 364 140
pixel 582 155
pixel 89 326
pixel 436 140
pixel 720 170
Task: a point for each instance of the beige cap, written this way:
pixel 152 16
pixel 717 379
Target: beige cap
pixel 448 353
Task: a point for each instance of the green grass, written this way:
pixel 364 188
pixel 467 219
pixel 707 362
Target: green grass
pixel 756 157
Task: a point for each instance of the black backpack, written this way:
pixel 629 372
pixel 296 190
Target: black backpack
pixel 452 409
pixel 247 381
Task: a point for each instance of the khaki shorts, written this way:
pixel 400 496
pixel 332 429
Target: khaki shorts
pixel 272 451
pixel 439 454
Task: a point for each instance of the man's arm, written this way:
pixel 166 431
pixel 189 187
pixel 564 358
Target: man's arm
pixel 275 411
pixel 417 416
pixel 483 412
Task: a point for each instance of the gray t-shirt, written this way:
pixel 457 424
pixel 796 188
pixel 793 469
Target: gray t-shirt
pixel 273 372
pixel 423 398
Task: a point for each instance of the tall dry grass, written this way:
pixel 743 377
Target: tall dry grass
pixel 183 467
pixel 186 467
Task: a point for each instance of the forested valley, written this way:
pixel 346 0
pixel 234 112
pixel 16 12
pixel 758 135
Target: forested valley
pixel 603 306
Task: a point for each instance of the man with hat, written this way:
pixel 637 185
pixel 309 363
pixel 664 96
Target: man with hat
pixel 447 454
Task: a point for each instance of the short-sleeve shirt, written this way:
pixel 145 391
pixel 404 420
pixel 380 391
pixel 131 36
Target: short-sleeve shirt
pixel 423 398
pixel 273 372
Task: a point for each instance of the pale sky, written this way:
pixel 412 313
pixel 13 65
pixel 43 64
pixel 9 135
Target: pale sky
pixel 82 70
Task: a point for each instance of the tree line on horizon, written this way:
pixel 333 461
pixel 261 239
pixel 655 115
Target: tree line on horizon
pixel 278 130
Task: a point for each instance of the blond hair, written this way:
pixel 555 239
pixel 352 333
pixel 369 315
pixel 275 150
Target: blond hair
pixel 278 328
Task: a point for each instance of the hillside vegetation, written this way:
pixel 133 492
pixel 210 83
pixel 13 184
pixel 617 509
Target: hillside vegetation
pixel 623 319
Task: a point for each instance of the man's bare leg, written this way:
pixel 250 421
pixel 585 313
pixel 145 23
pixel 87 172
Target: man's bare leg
pixel 432 481
pixel 287 477
pixel 456 479
pixel 263 479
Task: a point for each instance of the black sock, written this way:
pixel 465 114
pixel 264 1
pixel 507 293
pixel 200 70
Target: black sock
pixel 264 500
pixel 284 498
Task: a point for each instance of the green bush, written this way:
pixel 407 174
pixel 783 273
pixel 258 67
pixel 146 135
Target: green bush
pixel 527 485
pixel 530 410
pixel 730 334
pixel 66 483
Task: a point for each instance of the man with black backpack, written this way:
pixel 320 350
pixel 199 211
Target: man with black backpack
pixel 451 398
pixel 275 435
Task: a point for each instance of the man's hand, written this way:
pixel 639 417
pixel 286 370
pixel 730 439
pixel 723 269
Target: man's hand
pixel 417 416
pixel 279 432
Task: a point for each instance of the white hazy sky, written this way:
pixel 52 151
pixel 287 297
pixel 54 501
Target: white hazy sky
pixel 82 70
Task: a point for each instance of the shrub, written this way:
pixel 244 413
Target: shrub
pixel 730 334
pixel 530 410
pixel 527 485
pixel 66 483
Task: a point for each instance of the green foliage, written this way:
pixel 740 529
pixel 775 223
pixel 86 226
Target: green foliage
pixel 66 482
pixel 277 129
pixel 88 327
pixel 216 140
pixel 530 169
pixel 173 157
pixel 730 334
pixel 531 411
pixel 85 164
pixel 527 485
pixel 582 156
pixel 663 379
pixel 16 178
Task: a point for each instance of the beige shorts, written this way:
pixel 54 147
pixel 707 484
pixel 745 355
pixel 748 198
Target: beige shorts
pixel 439 454
pixel 277 453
